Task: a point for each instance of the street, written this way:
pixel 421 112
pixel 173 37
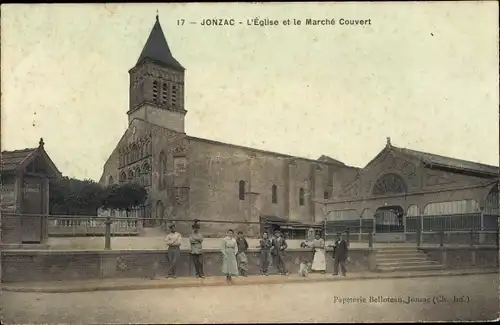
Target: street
pixel 455 298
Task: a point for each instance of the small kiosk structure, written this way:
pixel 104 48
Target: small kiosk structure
pixel 25 179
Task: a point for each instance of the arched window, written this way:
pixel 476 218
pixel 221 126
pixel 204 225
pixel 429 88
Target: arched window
pixel 164 94
pixel 138 175
pixel 155 91
pixel 389 184
pixel 131 174
pixel 110 180
pixel 274 194
pixel 242 190
pixel 135 152
pixel 174 95
pixel 123 177
pixel 301 196
pixel 163 171
pixel 142 150
pixel 147 174
pixel 129 156
pixel 326 195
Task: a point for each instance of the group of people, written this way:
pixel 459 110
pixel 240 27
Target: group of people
pixel 340 249
pixel 234 253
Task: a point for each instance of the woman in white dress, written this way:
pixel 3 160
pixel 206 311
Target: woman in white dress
pixel 319 261
pixel 229 249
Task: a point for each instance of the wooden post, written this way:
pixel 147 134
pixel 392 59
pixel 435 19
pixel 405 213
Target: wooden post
pixel 360 232
pixel 108 222
pixel 471 238
pixel 497 242
pixel 46 211
pixel 370 239
pixel 441 238
pixel 443 256
pixel 418 238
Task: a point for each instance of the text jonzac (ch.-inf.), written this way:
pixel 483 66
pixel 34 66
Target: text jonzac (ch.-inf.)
pixel 381 299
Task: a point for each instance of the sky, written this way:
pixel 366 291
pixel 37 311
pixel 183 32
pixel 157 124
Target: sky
pixel 424 74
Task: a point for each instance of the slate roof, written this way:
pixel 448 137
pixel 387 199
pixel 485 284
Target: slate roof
pixel 10 160
pixel 157 49
pixel 441 161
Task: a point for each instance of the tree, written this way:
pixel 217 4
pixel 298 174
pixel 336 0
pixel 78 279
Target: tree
pixel 124 197
pixel 72 196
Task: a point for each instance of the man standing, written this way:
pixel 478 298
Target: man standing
pixel 278 248
pixel 265 245
pixel 241 256
pixel 173 241
pixel 196 241
pixel 340 255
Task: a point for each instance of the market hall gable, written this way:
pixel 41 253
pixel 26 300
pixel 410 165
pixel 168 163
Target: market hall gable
pixel 402 190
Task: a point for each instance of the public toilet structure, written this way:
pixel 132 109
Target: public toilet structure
pixel 25 176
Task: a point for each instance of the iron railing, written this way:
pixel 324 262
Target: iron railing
pixel 112 226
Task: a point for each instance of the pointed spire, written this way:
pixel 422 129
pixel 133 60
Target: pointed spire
pixel 157 49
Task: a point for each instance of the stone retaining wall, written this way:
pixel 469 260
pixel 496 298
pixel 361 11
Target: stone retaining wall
pixel 456 257
pixel 47 265
pixel 19 266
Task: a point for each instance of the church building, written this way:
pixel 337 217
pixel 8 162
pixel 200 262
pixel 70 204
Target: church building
pixel 399 193
pixel 191 178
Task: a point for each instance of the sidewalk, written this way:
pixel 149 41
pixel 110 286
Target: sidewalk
pixel 185 282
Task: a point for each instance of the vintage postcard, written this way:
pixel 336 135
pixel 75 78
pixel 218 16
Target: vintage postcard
pixel 249 162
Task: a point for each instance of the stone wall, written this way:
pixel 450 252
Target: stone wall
pixel 215 170
pixel 19 266
pixel 43 265
pixel 457 257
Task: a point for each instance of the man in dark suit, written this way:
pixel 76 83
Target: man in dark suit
pixel 340 249
pixel 278 248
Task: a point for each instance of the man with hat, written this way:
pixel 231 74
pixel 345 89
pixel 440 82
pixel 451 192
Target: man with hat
pixel 340 248
pixel 173 241
pixel 278 249
pixel 196 241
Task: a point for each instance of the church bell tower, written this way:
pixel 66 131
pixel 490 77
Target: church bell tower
pixel 157 84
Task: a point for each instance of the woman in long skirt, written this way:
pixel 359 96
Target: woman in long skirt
pixel 319 261
pixel 229 249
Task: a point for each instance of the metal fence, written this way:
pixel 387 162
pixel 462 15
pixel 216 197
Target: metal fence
pixel 361 231
pixel 15 226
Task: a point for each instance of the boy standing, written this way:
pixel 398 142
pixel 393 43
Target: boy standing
pixel 241 256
